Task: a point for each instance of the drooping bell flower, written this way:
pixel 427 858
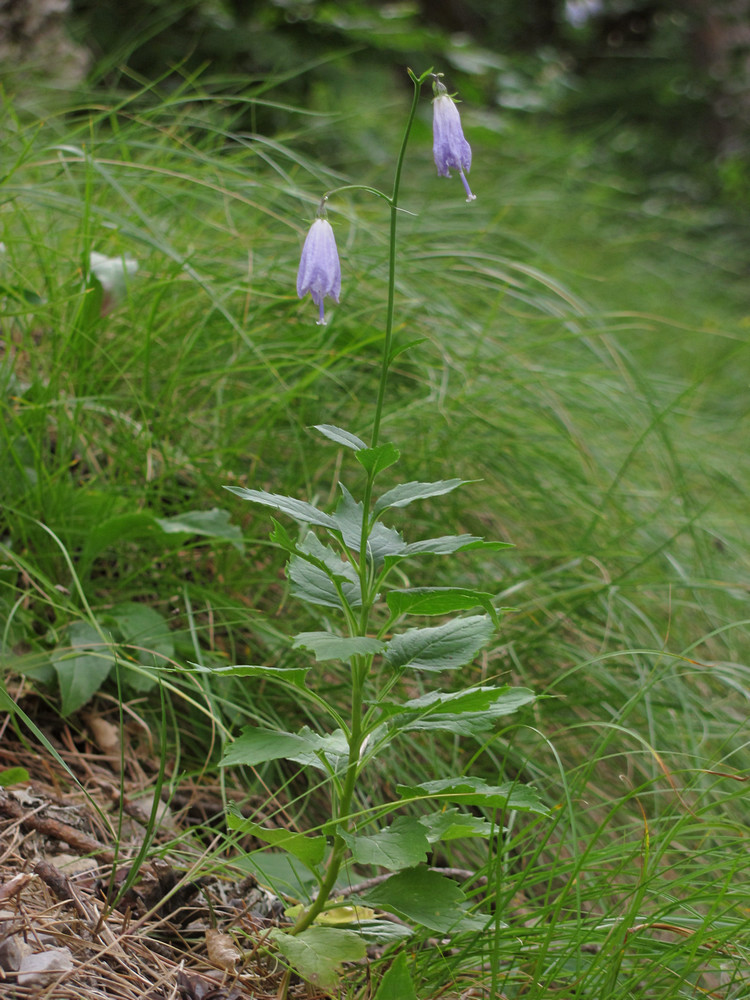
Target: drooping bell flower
pixel 450 149
pixel 319 267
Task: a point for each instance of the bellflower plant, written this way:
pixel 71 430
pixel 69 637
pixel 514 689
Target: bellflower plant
pixel 319 267
pixel 346 566
pixel 450 148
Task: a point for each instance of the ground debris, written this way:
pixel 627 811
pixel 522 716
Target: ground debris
pixel 40 967
pixel 62 867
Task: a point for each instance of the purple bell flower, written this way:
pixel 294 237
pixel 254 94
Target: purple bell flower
pixel 319 267
pixel 450 149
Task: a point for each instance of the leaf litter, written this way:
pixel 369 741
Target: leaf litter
pixel 76 923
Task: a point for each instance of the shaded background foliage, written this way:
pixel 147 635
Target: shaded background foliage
pixel 672 75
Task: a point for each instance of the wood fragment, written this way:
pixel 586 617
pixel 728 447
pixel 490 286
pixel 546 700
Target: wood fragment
pixel 15 885
pixel 54 828
pixel 60 886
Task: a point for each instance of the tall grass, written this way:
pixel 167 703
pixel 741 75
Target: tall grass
pixel 579 349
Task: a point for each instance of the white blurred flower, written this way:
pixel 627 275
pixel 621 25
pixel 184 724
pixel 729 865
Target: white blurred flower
pixel 112 273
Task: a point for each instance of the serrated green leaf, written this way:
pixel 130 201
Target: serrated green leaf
pixel 328 646
pixel 309 850
pixel 401 845
pixel 466 713
pixel 292 675
pixel 383 931
pixel 340 436
pixel 425 897
pixel 444 647
pixel 396 984
pixel 312 583
pixel 452 824
pixel 300 510
pixel 476 792
pixel 281 537
pixel 213 523
pixel 444 545
pixel 438 601
pixel 319 953
pixel 375 460
pixel 256 746
pixel 334 749
pixel 381 541
pixel 82 667
pixel 407 493
pixel 278 871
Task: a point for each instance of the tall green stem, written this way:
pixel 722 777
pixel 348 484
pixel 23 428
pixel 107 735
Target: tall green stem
pixel 387 343
pixel 417 81
pixel 361 665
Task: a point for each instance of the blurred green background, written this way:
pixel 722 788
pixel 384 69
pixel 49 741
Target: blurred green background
pixel 668 81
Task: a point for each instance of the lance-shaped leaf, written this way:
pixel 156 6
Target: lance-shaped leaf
pixel 474 710
pixel 281 537
pixel 340 436
pixel 319 952
pixel 333 750
pixel 383 932
pixel 476 792
pixel 289 675
pixel 452 824
pixel 381 540
pixel 328 646
pixel 300 510
pixel 309 850
pixel 425 897
pixel 407 493
pixel 438 601
pixel 313 571
pixel 82 667
pixel 213 523
pixel 397 981
pixel 256 746
pixel 444 647
pixel 401 845
pixel 279 871
pixel 444 545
